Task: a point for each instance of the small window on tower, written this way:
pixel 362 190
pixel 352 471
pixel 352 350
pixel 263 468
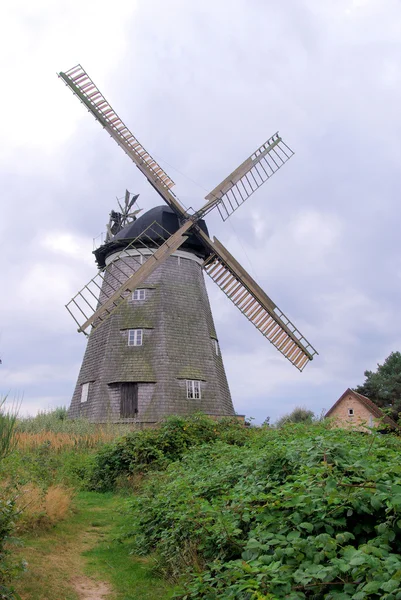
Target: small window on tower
pixel 193 389
pixel 139 294
pixel 216 346
pixel 351 412
pixel 84 392
pixel 135 337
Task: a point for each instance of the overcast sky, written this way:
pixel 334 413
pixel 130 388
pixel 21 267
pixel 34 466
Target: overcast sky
pixel 202 85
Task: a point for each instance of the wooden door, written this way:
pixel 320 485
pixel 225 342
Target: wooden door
pixel 129 400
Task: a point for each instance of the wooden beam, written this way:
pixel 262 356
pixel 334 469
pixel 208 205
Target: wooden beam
pixel 154 260
pixel 250 284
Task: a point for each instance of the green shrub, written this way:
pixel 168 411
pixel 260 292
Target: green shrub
pixel 154 449
pixel 298 415
pixel 8 568
pixel 7 429
pixel 299 512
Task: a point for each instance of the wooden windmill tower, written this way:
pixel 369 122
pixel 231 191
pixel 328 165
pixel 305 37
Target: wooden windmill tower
pixel 152 348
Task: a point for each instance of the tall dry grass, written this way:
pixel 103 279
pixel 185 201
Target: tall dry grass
pixel 56 430
pixel 40 508
pixel 62 441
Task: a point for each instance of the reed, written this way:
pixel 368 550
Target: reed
pixel 58 442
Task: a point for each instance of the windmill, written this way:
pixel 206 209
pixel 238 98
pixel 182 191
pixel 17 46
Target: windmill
pixel 150 292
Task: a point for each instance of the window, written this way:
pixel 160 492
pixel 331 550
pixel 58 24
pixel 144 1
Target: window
pixel 135 337
pixel 216 346
pixel 84 392
pixel 350 412
pixel 139 294
pixel 193 389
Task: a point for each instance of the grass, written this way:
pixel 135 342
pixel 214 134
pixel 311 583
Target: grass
pixel 38 508
pixel 83 548
pixel 60 441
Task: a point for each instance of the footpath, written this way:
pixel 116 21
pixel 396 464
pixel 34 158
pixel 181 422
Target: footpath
pixel 81 557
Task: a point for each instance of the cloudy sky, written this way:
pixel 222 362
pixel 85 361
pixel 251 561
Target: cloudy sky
pixel 202 84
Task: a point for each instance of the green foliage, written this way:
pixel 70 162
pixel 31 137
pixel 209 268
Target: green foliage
pixel 154 449
pixel 298 415
pixel 298 512
pixel 7 429
pixel 383 387
pixel 44 467
pixel 8 569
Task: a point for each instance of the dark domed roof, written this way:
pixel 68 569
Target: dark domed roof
pixel 162 222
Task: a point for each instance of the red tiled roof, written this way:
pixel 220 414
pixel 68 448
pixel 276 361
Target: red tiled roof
pixel 371 406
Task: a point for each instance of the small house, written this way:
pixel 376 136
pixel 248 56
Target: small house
pixel 353 410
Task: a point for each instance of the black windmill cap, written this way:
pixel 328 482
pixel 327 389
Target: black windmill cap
pixel 169 223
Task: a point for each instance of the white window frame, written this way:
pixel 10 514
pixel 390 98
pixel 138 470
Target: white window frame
pixel 135 337
pixel 216 346
pixel 194 389
pixel 139 294
pixel 84 392
pixel 350 412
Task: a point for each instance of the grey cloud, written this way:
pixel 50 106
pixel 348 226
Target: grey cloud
pixel 202 86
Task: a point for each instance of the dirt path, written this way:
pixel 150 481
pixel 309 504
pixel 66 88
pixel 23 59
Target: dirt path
pixel 89 589
pixel 81 559
pixel 56 565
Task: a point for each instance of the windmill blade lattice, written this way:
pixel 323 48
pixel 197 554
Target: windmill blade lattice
pixel 95 302
pixel 261 311
pixel 82 85
pixel 105 297
pixel 248 177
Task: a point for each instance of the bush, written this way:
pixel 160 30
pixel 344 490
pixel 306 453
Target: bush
pixel 7 506
pixel 154 449
pixel 299 512
pixel 7 430
pixel 298 415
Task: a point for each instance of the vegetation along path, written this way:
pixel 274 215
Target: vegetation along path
pixel 82 559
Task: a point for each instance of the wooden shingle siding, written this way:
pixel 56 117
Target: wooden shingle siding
pixel 177 325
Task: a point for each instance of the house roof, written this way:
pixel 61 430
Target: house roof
pixel 371 406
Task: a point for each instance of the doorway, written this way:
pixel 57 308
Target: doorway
pixel 129 400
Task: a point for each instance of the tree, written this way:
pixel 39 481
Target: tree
pixel 298 415
pixel 383 386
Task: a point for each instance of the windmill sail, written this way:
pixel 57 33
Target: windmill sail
pixel 248 177
pixel 81 84
pixel 261 311
pixel 88 308
pixel 96 301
